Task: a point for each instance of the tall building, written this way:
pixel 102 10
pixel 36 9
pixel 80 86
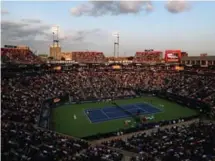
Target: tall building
pixel 55 50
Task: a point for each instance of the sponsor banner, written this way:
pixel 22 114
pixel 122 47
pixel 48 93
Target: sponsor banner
pixel 179 68
pixel 58 68
pixel 172 56
pixel 116 67
pixel 107 99
pixel 88 101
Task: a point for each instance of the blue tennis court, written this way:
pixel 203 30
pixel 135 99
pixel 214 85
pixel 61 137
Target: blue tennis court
pixel 112 112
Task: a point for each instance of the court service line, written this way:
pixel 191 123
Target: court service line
pixel 154 106
pixel 134 109
pixel 105 113
pixel 139 107
pixel 119 116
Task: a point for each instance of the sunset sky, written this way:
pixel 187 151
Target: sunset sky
pixel 89 25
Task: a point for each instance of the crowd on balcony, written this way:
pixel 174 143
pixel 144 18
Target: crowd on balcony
pixel 22 97
pixel 88 57
pixel 147 57
pixel 19 56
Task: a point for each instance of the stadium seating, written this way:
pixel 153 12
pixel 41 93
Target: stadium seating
pixel 148 56
pixel 19 56
pixel 20 94
pixel 178 143
pixel 21 106
pixel 24 142
pixel 88 57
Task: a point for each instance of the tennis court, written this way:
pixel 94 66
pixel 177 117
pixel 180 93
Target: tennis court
pixel 112 112
pixel 97 122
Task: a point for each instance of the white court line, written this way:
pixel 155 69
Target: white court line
pixel 101 120
pixel 121 116
pixel 125 110
pixel 139 108
pixel 147 112
pixel 105 113
pixel 87 116
pixel 159 109
pixel 128 110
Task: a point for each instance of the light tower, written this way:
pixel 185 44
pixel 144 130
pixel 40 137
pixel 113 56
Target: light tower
pixel 55 31
pixel 116 44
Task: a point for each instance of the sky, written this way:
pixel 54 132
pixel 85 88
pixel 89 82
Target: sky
pixel 90 25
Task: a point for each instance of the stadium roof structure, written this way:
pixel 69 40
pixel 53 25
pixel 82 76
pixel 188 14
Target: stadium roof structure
pixel 198 58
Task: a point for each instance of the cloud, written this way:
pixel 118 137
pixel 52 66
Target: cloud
pixel 31 20
pixel 39 36
pixel 4 12
pixel 177 6
pixel 19 31
pixel 81 35
pixel 114 8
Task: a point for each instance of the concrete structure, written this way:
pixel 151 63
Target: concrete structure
pixel 55 51
pixel 198 60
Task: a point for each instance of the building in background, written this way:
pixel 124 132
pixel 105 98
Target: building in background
pixel 55 51
pixel 202 60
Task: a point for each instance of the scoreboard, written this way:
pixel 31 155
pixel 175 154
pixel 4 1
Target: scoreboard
pixel 172 56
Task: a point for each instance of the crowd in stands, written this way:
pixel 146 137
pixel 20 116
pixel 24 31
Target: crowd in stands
pixel 199 87
pixel 22 97
pixel 26 142
pixel 26 56
pixel 19 56
pixel 88 57
pixel 147 56
pixel 20 94
pixel 195 142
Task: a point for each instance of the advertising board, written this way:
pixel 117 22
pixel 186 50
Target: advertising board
pixel 172 56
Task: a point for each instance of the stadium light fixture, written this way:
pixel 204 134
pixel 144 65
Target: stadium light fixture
pixel 116 43
pixel 115 34
pixel 55 32
pixel 54 29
